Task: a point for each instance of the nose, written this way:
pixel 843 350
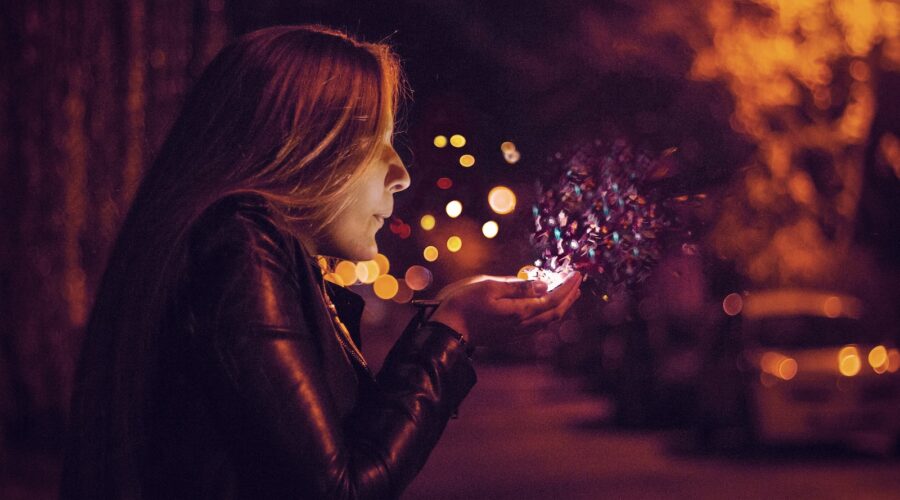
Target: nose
pixel 397 178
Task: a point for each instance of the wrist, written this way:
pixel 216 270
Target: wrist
pixel 452 320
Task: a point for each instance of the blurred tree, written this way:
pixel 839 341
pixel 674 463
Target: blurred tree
pixel 804 76
pixel 88 89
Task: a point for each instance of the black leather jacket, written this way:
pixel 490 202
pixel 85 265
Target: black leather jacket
pixel 260 398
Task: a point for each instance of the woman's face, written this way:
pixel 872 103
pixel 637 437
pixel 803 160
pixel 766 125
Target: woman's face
pixel 352 234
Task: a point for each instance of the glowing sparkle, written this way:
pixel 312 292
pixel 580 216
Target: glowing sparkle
pixel 596 216
pixel 466 160
pixel 490 229
pixel 440 141
pixel 385 287
pixel 427 222
pixel 384 265
pixel 457 141
pixel 454 208
pixel 430 253
pixel 347 272
pixel 454 243
pixel 502 200
pixel 367 271
pixel 418 277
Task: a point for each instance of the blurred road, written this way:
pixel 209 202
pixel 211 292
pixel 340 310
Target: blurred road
pixel 524 433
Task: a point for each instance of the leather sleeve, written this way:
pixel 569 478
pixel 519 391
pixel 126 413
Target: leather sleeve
pixel 262 362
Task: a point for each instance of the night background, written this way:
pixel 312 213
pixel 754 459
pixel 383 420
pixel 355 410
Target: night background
pixel 784 183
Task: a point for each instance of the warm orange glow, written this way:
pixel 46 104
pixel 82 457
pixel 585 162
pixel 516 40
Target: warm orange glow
pixel 440 141
pixel 457 141
pixel 418 278
pixel 335 278
pixel 832 307
pixel 454 243
pixel 430 253
pixel 490 229
pixel 787 368
pixel 769 362
pixel 893 360
pixel 427 222
pixel 889 151
pixel 512 157
pixel 347 271
pixel 384 265
pixel 523 272
pixel 878 359
pixel 367 271
pixel 467 160
pixel 802 75
pixel 733 304
pixel 507 147
pixel 385 287
pixel 849 363
pixel 454 208
pixel 502 200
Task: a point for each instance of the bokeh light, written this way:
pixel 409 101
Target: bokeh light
pixel 335 278
pixel 507 147
pixel 440 141
pixel 347 271
pixel 467 161
pixel 733 304
pixel 404 292
pixel 849 363
pixel 490 229
pixel 454 243
pixel 384 265
pixel 427 222
pixel 367 271
pixel 385 287
pixel 523 272
pixel 457 141
pixel 893 360
pixel 512 157
pixel 444 183
pixel 787 368
pixel 832 307
pixel 430 253
pixel 418 277
pixel 878 359
pixel 502 200
pixel 454 208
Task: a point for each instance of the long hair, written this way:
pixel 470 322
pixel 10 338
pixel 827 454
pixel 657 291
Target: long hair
pixel 292 113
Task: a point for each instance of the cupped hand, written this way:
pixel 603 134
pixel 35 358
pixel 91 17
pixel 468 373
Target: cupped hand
pixel 490 310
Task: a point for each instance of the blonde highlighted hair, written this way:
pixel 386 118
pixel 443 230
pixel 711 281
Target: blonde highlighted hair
pixel 292 113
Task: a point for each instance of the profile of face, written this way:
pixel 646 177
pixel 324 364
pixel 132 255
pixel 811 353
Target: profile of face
pixel 351 235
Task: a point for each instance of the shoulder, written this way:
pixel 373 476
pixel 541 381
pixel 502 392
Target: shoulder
pixel 242 261
pixel 241 219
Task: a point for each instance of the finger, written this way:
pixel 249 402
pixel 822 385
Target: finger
pixel 551 300
pixel 554 314
pixel 515 288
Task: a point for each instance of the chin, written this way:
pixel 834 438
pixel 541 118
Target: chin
pixel 363 252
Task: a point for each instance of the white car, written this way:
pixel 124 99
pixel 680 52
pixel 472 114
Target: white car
pixel 817 374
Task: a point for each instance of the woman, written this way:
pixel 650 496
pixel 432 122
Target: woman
pixel 217 363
